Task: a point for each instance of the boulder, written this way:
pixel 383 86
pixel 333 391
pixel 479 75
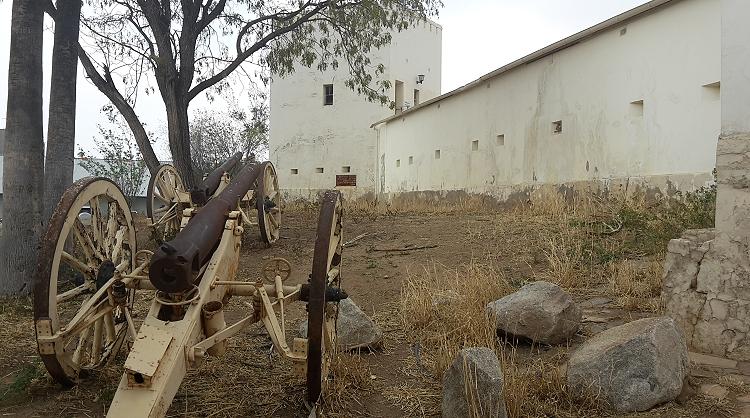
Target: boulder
pixel 634 367
pixel 354 328
pixel 540 311
pixel 473 386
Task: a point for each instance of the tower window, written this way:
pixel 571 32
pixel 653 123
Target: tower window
pixel 437 154
pixel 416 97
pixel 475 145
pixel 411 160
pixel 346 169
pixel 327 94
pixel 295 171
pixel 500 141
pixel 398 163
pixel 319 170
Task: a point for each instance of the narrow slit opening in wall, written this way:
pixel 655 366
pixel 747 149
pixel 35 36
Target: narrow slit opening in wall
pixel 475 145
pixel 411 160
pixel 557 127
pixel 398 163
pixel 437 154
pixel 295 171
pixel 636 107
pixel 346 169
pixel 319 170
pixel 500 140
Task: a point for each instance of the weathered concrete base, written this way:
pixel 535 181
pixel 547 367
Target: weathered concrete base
pixel 707 272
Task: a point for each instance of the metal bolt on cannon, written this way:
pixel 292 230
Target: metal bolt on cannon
pixel 90 272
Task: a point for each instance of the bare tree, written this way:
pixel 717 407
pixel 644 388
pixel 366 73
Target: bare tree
pixel 216 137
pixel 23 163
pixel 190 47
pixel 61 126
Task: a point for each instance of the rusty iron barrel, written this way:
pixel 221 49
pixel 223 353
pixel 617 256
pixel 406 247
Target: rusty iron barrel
pixel 176 263
pixel 208 186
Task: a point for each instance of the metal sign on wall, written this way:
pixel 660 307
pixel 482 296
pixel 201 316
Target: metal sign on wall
pixel 346 180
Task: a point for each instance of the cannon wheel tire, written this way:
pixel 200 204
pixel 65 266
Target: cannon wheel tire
pixel 90 230
pixel 322 314
pixel 269 219
pixel 163 206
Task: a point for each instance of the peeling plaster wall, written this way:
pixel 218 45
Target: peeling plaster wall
pixel 306 135
pixel 707 273
pixel 669 59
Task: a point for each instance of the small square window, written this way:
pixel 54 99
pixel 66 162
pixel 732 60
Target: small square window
pixel 295 171
pixel 475 145
pixel 327 94
pixel 411 160
pixel 623 31
pixel 398 163
pixel 346 169
pixel 557 127
pixel 437 154
pixel 319 170
pixel 500 140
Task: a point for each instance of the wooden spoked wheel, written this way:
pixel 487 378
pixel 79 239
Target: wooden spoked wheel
pixel 322 314
pixel 89 244
pixel 268 204
pixel 163 204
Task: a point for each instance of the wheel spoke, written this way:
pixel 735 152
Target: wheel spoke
pixel 96 343
pixel 80 348
pixel 85 241
pixel 72 293
pixel 76 264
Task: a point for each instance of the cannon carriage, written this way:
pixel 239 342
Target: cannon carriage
pixel 90 274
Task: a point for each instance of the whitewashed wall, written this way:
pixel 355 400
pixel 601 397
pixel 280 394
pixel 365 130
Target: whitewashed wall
pixel 305 135
pixel 669 59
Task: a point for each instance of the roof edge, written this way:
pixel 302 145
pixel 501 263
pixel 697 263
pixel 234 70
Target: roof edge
pixel 572 40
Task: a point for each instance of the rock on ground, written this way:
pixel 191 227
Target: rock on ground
pixel 541 311
pixel 354 328
pixel 634 367
pixel 473 385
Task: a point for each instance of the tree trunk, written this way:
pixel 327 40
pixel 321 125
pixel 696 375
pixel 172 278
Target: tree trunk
pixel 23 180
pixel 61 128
pixel 179 137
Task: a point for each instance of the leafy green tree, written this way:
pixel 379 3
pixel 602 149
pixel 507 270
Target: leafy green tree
pixel 187 48
pixel 120 160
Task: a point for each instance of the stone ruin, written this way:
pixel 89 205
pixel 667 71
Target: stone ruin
pixel 707 272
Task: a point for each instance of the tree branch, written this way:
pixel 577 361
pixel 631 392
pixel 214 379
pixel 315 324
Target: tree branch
pixel 203 85
pixel 108 88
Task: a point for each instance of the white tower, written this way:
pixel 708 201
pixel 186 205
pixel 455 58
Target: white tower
pixel 320 130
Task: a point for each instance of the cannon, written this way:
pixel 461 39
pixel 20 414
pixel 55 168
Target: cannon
pixel 167 198
pixel 90 273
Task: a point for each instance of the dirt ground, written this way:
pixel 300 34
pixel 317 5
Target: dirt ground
pixel 251 380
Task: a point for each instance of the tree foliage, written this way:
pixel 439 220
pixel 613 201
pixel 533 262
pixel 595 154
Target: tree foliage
pixel 120 161
pixel 186 48
pixel 216 137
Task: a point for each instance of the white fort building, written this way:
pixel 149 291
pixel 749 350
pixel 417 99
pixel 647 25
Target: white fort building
pixel 634 99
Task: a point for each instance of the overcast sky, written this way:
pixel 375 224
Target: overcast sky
pixel 478 37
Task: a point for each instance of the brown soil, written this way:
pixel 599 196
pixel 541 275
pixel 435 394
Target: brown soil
pixel 251 380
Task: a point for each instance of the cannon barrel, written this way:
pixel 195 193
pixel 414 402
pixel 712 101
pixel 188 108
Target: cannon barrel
pixel 176 263
pixel 208 186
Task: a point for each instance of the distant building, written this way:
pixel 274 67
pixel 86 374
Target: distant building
pixel 320 135
pixel 138 202
pixel 632 100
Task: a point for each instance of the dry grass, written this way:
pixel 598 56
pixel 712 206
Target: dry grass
pixel 445 310
pixel 637 284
